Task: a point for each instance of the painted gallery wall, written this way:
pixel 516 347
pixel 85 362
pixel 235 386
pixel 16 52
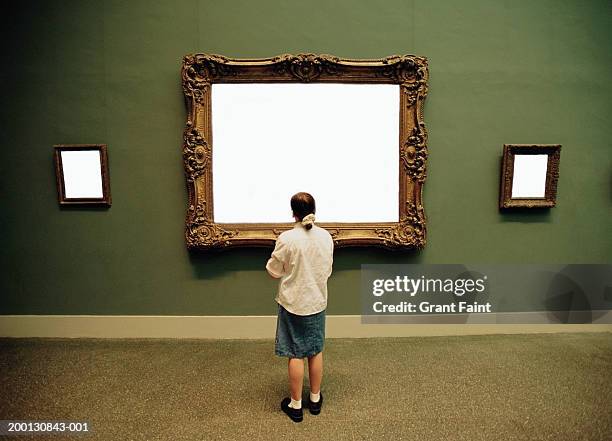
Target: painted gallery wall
pixel 108 72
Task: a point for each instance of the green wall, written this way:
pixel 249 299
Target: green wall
pixel 108 72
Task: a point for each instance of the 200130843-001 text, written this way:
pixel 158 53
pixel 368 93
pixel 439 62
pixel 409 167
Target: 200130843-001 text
pixel 24 427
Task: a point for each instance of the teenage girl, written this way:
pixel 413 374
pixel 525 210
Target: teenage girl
pixel 302 260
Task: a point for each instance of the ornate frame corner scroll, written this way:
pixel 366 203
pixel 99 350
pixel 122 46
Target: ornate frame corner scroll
pixel 506 201
pixel 409 72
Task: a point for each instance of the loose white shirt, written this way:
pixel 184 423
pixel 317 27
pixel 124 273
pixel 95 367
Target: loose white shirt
pixel 302 259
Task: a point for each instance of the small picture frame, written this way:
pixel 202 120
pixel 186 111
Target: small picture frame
pixel 529 176
pixel 82 174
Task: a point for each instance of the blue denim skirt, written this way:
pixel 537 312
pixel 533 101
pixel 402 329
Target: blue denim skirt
pixel 299 336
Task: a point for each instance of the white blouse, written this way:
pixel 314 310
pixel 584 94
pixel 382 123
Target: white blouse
pixel 302 259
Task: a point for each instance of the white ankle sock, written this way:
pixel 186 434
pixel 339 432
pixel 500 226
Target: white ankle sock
pixel 295 404
pixel 314 398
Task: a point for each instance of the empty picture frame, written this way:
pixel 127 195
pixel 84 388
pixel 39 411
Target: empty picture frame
pixel 276 163
pixel 82 174
pixel 259 130
pixel 529 175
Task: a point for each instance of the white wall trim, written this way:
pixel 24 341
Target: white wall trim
pixel 254 327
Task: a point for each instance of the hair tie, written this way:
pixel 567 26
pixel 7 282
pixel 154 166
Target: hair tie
pixel 308 220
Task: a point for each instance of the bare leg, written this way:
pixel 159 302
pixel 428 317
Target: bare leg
pixel 315 372
pixel 296 377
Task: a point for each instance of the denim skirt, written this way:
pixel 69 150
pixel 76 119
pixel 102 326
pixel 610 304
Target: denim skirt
pixel 299 336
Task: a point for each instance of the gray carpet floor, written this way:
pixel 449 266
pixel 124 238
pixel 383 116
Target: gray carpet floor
pixel 498 387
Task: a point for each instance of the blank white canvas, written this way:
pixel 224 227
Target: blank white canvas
pixel 82 173
pixel 529 179
pixel 339 142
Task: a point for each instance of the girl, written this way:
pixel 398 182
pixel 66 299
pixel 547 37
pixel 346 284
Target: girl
pixel 302 260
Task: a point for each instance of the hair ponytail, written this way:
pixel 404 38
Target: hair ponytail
pixel 308 221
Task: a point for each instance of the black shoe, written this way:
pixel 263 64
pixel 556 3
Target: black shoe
pixel 315 408
pixel 296 415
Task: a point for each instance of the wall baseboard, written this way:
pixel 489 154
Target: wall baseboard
pixel 258 327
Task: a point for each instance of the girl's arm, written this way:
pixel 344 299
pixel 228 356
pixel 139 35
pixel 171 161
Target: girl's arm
pixel 276 263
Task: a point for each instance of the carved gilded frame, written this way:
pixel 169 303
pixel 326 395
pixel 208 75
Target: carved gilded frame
pixel 200 71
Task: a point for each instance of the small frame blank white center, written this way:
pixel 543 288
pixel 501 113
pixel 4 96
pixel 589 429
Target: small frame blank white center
pixel 529 180
pixel 82 174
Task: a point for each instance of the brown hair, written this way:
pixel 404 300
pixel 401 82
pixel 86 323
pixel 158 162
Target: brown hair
pixel 302 205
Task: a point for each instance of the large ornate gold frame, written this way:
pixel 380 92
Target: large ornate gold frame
pixel 200 71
